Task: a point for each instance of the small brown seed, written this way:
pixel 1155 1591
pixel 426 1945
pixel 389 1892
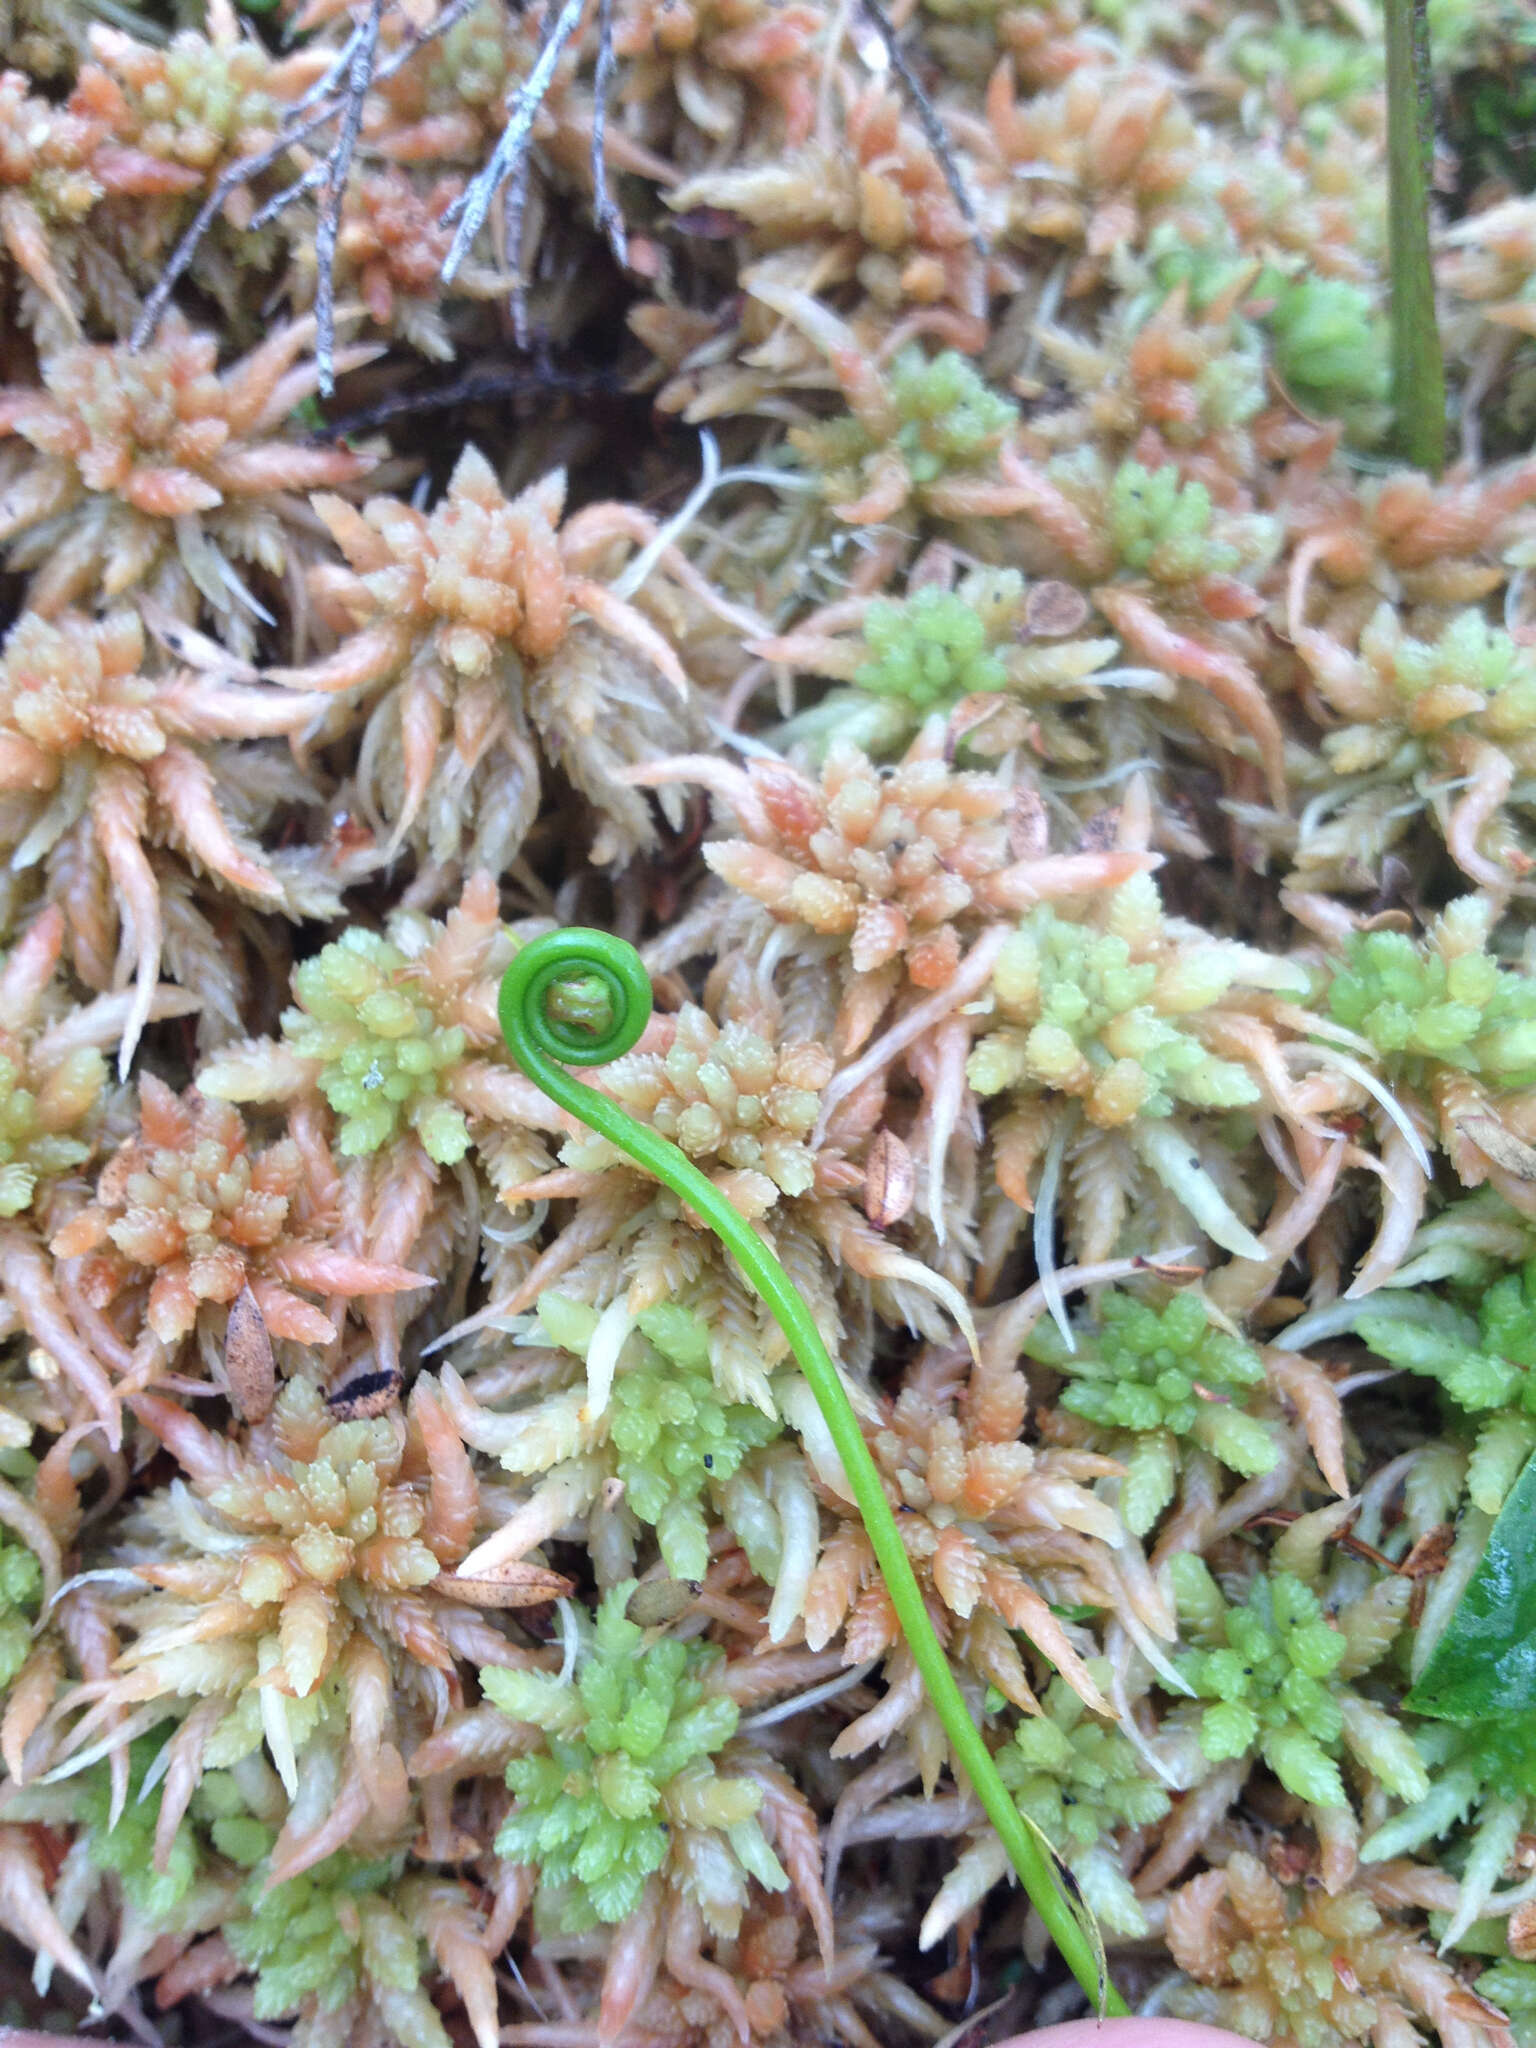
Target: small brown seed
pixel 888 1180
pixel 656 1602
pixel 1029 832
pixel 1052 610
pixel 365 1395
pixel 1100 832
pixel 248 1358
pixel 1522 1932
pixel 1500 1145
pixel 1428 1555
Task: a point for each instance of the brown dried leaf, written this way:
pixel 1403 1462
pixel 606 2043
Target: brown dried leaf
pixel 1029 834
pixel 1522 1932
pixel 1100 832
pixel 889 1180
pixel 1464 2004
pixel 248 1358
pixel 515 1585
pixel 1429 1553
pixel 1500 1145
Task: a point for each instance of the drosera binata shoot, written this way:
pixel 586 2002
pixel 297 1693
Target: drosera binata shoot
pixel 583 997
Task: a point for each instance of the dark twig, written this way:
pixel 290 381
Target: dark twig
pixel 610 221
pixel 330 79
pixel 928 120
pixel 307 119
pixel 473 204
pixel 479 385
pixel 317 174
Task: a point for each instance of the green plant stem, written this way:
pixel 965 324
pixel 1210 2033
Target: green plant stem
pixel 1418 363
pixel 542 1045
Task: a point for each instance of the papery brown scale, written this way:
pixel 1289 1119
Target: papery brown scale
pixel 889 1180
pixel 248 1358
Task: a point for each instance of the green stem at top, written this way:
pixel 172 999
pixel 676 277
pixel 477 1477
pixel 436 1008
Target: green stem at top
pixel 544 1041
pixel 1418 362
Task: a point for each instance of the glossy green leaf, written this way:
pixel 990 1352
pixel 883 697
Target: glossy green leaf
pixel 1485 1663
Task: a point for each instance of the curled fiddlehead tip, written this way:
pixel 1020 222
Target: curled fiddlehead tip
pixel 578 997
pixel 582 998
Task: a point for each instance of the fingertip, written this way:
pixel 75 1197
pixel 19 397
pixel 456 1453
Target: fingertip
pixel 1131 2033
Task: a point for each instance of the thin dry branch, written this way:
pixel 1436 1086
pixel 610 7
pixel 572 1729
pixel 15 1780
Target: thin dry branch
pixel 513 207
pixel 467 213
pixel 33 2037
pixel 610 222
pixel 928 119
pixel 319 107
pixel 331 173
pixel 519 380
pixel 359 78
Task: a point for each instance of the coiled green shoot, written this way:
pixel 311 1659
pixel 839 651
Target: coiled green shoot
pixel 583 997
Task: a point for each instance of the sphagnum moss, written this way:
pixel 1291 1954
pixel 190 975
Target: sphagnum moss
pixel 626 1787
pixel 1069 777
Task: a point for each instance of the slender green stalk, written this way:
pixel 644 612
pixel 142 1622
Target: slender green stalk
pixel 543 1042
pixel 1418 363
